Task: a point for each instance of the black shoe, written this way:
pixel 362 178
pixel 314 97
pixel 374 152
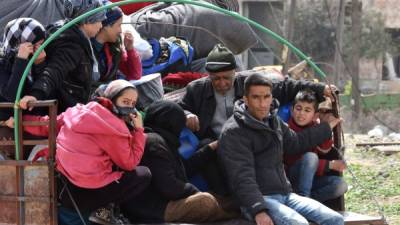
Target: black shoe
pixel 106 216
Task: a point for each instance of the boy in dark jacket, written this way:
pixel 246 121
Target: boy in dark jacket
pixel 251 150
pixel 307 171
pixel 170 197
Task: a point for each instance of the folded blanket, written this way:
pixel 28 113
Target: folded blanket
pixel 202 27
pixel 12 9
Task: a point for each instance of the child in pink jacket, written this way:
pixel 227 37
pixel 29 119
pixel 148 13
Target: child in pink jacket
pixel 99 146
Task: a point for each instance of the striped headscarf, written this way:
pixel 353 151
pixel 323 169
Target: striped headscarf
pixel 19 31
pixel 75 8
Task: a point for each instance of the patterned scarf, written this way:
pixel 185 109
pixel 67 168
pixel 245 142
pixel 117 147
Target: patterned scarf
pixel 19 31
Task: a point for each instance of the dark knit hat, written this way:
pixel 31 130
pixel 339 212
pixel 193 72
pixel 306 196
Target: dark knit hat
pixel 75 8
pixel 112 15
pixel 220 59
pixel 115 87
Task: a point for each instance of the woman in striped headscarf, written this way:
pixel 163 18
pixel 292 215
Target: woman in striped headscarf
pixel 22 37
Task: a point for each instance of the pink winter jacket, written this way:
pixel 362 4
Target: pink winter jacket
pixel 90 141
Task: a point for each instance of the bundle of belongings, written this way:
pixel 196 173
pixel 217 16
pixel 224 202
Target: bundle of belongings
pixel 203 28
pixel 170 55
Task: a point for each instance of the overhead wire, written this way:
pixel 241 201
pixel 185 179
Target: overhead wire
pixel 340 151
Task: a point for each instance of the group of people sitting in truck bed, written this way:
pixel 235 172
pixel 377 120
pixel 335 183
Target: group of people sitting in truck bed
pixel 116 164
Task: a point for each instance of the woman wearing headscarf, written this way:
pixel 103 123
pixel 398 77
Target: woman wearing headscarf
pixel 116 61
pixel 71 67
pixel 22 37
pixel 99 147
pixel 170 197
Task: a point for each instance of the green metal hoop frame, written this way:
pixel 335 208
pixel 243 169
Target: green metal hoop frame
pixel 192 2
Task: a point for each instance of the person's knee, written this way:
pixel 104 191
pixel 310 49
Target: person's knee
pixel 143 174
pixel 290 220
pixel 340 187
pixel 310 157
pixel 207 201
pixel 333 219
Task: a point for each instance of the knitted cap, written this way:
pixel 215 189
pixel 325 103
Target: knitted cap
pixel 75 8
pixel 220 59
pixel 112 15
pixel 114 88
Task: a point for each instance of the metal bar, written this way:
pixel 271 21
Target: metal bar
pixel 22 163
pixel 26 142
pixel 35 123
pixel 24 199
pixel 20 173
pixel 51 162
pixel 44 103
pixel 376 143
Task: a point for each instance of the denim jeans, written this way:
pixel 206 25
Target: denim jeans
pixel 302 176
pixel 293 209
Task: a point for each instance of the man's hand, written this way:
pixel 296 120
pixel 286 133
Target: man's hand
pixel 262 218
pixel 25 101
pixel 329 91
pixel 25 50
pixel 337 165
pixel 192 122
pixel 128 41
pixel 213 145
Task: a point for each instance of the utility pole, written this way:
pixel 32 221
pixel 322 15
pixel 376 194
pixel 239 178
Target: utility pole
pixel 289 36
pixel 355 49
pixel 339 43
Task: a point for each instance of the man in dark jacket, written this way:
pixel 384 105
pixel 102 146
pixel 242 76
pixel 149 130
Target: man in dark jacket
pixel 208 102
pixel 70 64
pixel 170 197
pixel 251 150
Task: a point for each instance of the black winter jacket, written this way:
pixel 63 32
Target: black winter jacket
pixel 68 74
pixel 170 171
pixel 251 153
pixel 11 70
pixel 199 98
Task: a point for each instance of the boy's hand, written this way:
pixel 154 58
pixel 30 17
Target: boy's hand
pixel 337 165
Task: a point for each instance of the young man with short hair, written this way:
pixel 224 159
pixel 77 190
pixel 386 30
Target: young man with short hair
pixel 251 150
